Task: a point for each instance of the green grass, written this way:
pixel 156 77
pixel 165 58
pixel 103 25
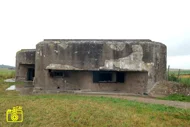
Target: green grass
pixel 74 110
pixel 185 72
pixel 5 73
pixel 177 97
pixel 183 80
pixel 54 110
pixel 182 72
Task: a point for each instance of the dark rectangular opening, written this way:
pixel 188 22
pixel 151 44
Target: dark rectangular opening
pixel 121 77
pixel 105 77
pixel 30 74
pixel 58 73
pixel 108 77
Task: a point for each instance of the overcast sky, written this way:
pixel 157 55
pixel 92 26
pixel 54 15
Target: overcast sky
pixel 24 23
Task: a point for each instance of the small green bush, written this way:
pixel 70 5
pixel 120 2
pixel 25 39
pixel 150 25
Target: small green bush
pixel 173 77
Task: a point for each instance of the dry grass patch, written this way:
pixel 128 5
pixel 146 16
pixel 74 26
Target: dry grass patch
pixel 74 110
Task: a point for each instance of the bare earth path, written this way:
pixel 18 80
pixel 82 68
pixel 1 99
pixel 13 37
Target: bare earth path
pixel 145 99
pixel 178 104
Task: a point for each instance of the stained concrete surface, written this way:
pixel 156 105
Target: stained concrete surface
pixel 82 55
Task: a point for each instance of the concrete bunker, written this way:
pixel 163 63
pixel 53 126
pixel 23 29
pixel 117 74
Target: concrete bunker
pixel 25 65
pixel 127 66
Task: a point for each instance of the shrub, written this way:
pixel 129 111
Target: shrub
pixel 173 77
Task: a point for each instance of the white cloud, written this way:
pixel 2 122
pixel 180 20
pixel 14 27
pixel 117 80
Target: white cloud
pixel 25 23
pixel 183 61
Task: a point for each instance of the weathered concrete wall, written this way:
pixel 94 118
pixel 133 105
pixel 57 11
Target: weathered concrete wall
pixel 25 59
pixel 25 56
pixel 135 82
pixel 21 72
pixel 114 55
